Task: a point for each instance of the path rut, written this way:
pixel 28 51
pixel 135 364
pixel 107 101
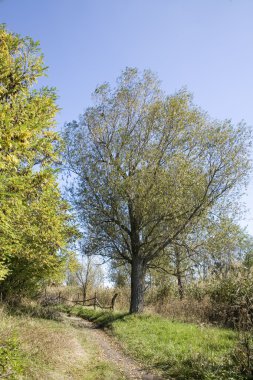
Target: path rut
pixel 111 351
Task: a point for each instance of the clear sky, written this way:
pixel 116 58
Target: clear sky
pixel 205 45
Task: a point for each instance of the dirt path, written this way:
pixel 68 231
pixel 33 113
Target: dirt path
pixel 110 350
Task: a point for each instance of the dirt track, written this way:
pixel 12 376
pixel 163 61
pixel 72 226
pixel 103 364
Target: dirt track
pixel 111 351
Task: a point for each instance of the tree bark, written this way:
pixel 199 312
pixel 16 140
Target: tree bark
pixel 84 293
pixel 179 273
pixel 180 286
pixel 138 271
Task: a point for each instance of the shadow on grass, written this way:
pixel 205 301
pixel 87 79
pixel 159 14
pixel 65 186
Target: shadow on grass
pixel 102 319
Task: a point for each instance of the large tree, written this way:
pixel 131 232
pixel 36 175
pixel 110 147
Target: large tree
pixel 146 167
pixel 34 220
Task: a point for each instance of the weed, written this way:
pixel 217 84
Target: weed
pixel 11 358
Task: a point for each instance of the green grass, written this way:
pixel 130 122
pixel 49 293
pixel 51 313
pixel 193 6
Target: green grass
pixel 177 350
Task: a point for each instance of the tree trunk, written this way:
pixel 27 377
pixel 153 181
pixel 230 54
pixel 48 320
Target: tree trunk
pixel 138 271
pixel 179 272
pixel 84 293
pixel 180 286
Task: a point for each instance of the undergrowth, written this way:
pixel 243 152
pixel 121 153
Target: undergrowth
pixel 11 358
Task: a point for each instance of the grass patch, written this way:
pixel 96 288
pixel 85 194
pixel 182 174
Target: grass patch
pixel 101 318
pixel 11 358
pixel 178 350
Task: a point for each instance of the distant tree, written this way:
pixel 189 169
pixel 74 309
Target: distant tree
pixel 221 244
pixel 34 220
pixel 89 275
pixel 120 274
pixel 83 276
pixel 147 167
pixel 248 251
pixel 212 247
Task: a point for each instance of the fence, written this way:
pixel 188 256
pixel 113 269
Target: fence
pixel 49 300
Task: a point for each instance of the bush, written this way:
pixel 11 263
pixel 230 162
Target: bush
pixel 232 299
pixel 226 300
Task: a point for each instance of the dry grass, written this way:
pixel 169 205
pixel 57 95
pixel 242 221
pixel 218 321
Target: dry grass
pixel 186 310
pixel 54 350
pixel 104 295
pixel 191 309
pixel 53 345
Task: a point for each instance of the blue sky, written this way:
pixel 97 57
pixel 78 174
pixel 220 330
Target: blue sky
pixel 205 45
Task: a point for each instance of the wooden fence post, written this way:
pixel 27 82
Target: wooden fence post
pixel 59 297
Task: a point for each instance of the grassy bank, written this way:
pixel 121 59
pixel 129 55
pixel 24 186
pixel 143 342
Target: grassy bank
pixel 38 348
pixel 177 350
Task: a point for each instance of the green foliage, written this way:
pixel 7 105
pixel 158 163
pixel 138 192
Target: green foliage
pixel 120 275
pixel 232 298
pixel 248 249
pixel 11 359
pixel 34 220
pixel 148 168
pixel 243 353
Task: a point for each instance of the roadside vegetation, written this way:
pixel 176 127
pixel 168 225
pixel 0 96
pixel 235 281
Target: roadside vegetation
pixel 37 344
pixel 176 350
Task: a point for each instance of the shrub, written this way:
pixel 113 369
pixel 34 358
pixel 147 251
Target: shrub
pixel 232 299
